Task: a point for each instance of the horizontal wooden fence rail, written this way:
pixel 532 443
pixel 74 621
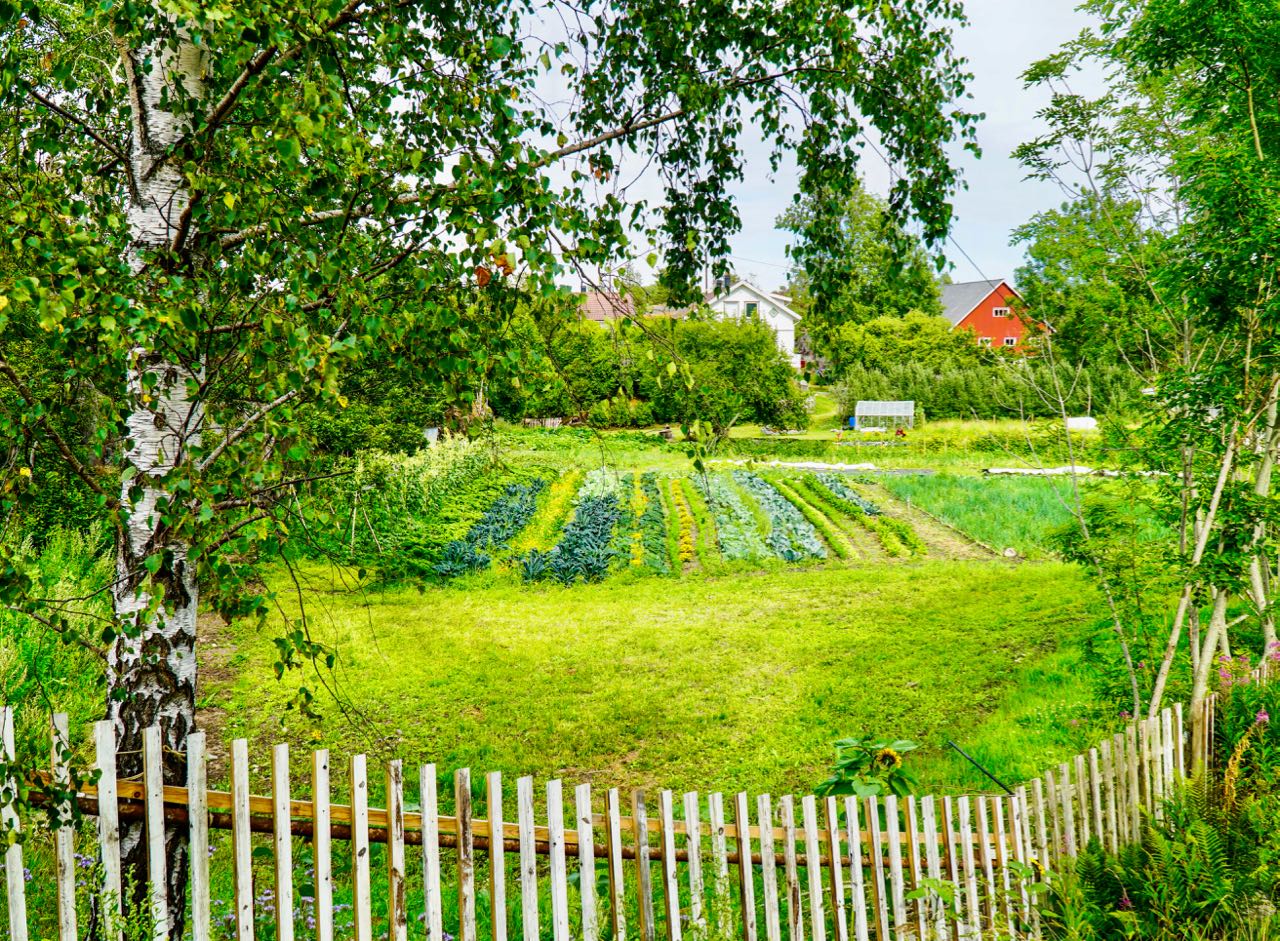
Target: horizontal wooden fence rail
pixel 807 869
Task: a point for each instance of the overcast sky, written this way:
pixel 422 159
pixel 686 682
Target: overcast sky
pixel 1002 38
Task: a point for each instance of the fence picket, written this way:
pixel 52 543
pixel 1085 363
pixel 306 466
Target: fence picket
pixel 1002 862
pixel 835 858
pixel 813 868
pixel 972 904
pixel 693 844
pixel 1052 805
pixel 877 871
pixel 397 876
pixel 432 893
pixel 157 868
pixel 746 873
pixel 857 885
pixel 282 842
pixel 719 862
pixel 1166 734
pixel 768 869
pixel 104 738
pixel 1095 796
pixel 1112 827
pixel 1080 787
pixel 466 855
pixel 936 915
pixel 1147 766
pixel 617 889
pixel 498 860
pixel 559 864
pixel 64 835
pixel 1065 800
pixel 1020 825
pixel 197 832
pixel 1135 795
pixel 241 847
pixel 644 868
pixel 528 859
pixel 795 907
pixel 586 862
pixel 1180 735
pixel 983 806
pixel 913 862
pixel 360 889
pixel 893 836
pixel 15 883
pixel 670 870
pixel 322 844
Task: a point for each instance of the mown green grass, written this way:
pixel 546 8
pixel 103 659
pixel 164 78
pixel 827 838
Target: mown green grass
pixel 742 681
pixel 1018 512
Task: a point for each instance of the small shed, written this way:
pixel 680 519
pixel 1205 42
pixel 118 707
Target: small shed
pixel 883 416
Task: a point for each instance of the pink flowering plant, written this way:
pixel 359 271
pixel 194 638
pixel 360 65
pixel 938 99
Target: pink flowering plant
pixel 1245 710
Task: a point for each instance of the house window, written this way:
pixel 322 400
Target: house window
pixel 731 308
pixel 999 312
pixel 753 309
pixel 1010 341
pixel 984 341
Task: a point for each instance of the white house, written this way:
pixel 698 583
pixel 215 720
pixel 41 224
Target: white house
pixel 747 301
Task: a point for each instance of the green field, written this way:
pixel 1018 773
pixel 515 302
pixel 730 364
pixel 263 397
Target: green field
pixel 701 683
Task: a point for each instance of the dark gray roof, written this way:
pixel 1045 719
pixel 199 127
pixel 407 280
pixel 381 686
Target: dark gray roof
pixel 958 300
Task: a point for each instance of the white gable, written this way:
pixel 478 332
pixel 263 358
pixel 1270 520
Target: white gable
pixel 745 300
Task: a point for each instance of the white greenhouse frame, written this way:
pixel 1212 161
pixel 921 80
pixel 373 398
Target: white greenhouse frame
pixel 884 416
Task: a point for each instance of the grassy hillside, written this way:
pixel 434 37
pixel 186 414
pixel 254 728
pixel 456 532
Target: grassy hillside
pixel 741 681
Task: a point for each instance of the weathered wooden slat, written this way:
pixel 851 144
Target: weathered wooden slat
pixel 644 868
pixel 1180 735
pixel 1095 796
pixel 1067 803
pixel 693 847
pixel 197 835
pixel 584 824
pixel 1002 882
pixel 670 867
pixel 559 863
pixel 15 883
pixel 361 896
pixel 528 858
pixel 857 880
pixel 1111 827
pixel 1146 766
pixel 914 862
pixel 795 906
pixel 64 851
pixel 746 875
pixel 1053 803
pixel 157 864
pixel 1042 825
pixel 935 913
pixel 876 856
pixel 987 858
pixel 397 868
pixel 282 842
pixel 897 883
pixel 498 861
pixel 1019 822
pixel 812 852
pixel 241 841
pixel 1080 783
pixel 322 844
pixel 466 855
pixel 1135 790
pixel 973 905
pixel 835 862
pixel 1170 748
pixel 104 738
pixel 432 893
pixel 617 889
pixel 768 869
pixel 719 863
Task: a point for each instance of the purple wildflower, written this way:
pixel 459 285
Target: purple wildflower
pixel 1262 718
pixel 1126 903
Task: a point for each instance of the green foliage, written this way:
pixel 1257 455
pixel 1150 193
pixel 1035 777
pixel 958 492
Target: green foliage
pixel 883 343
pixel 584 550
pixel 653 526
pixel 736 526
pixel 856 264
pixel 831 535
pixel 867 767
pixel 1007 388
pixel 508 515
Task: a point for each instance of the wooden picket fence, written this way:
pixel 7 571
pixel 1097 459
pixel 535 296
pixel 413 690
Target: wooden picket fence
pixel 840 868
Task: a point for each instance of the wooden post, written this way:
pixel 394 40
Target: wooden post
pixel 157 864
pixel 64 836
pixel 397 875
pixel 528 858
pixel 936 914
pixel 617 888
pixel 322 844
pixel 768 869
pixel 813 868
pixel 879 892
pixel 972 904
pixel 241 846
pixel 197 832
pixel 746 873
pixel 559 862
pixel 104 737
pixel 795 907
pixel 15 882
pixel 670 870
pixel 857 883
pixel 693 843
pixel 644 873
pixel 282 842
pixel 720 862
pixel 466 855
pixel 893 833
pixel 432 896
pixel 586 862
pixel 835 859
pixel 360 887
pixel 913 862
pixel 498 860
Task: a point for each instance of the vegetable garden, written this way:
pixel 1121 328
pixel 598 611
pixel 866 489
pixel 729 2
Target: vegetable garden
pixel 546 523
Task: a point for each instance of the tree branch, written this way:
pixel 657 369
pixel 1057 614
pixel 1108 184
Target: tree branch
pixel 68 116
pixel 244 427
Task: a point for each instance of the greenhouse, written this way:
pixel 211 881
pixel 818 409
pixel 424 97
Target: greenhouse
pixel 883 416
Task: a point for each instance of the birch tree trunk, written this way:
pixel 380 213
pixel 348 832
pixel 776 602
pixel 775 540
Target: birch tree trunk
pixel 152 666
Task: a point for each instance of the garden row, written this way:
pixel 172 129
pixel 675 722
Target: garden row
pixel 585 528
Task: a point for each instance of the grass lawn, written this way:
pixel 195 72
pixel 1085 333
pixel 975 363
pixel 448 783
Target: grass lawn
pixel 740 681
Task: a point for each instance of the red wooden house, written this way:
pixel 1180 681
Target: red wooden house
pixel 988 309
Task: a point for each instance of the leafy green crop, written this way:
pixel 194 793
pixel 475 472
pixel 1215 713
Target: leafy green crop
pixel 791 536
pixel 508 515
pixel 584 550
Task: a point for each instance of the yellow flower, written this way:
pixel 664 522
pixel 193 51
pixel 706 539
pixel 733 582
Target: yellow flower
pixel 889 758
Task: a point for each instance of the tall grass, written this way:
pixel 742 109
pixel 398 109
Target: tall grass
pixel 1002 512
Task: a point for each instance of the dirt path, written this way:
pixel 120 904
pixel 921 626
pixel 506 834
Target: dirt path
pixel 943 541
